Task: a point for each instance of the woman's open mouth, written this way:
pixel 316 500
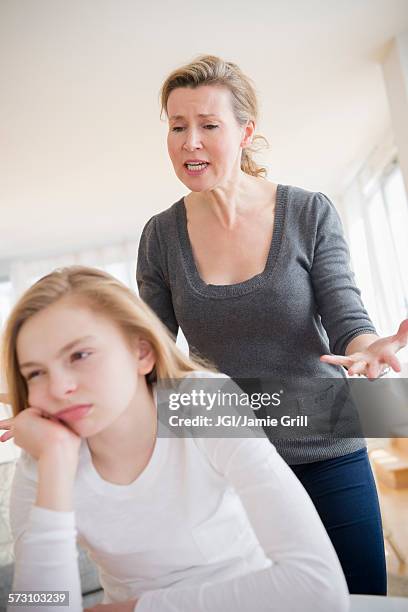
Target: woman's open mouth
pixel 195 168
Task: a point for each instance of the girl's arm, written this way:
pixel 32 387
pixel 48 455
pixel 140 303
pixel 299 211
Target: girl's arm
pixel 56 477
pixel 305 573
pixel 41 509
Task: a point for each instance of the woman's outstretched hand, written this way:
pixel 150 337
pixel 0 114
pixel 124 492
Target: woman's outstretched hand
pixel 38 433
pixel 377 356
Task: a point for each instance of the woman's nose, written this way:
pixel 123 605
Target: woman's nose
pixel 192 141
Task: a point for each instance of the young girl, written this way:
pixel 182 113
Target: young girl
pixel 173 524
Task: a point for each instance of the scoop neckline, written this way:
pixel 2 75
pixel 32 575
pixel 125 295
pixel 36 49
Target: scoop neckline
pixel 246 286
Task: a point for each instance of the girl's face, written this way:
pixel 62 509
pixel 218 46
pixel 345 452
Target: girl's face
pixel 79 367
pixel 205 140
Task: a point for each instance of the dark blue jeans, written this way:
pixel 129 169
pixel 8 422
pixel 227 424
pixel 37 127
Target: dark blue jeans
pixel 344 494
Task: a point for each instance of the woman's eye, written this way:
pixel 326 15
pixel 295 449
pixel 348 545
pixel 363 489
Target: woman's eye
pixel 177 129
pixel 79 355
pixel 210 126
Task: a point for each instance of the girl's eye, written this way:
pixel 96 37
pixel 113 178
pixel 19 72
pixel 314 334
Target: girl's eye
pixel 79 355
pixel 32 375
pixel 177 129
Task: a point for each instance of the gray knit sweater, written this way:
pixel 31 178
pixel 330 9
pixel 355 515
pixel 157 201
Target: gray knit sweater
pixel 304 304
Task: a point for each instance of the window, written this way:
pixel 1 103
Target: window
pixel 377 221
pixel 384 259
pixel 5 299
pixel 396 206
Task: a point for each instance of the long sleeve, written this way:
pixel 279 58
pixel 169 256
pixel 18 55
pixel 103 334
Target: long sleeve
pixel 338 298
pixel 153 288
pixel 304 574
pixel 44 543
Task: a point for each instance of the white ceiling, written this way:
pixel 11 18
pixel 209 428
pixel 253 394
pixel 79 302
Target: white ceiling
pixel 83 158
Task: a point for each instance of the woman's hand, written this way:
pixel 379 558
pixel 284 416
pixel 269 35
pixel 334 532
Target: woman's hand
pixel 123 606
pixel 374 358
pixel 39 434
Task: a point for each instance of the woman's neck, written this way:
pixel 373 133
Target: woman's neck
pixel 246 195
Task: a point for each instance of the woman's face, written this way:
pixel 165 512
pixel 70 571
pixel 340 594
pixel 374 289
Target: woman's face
pixel 72 358
pixel 205 140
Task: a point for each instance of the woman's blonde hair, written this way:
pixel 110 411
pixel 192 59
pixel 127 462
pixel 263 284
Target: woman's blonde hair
pixel 212 70
pixel 107 296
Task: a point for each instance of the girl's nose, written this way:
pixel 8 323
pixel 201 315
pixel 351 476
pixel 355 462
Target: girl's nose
pixel 62 384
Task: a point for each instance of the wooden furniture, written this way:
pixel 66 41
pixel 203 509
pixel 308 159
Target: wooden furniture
pixel 390 466
pixel 394 510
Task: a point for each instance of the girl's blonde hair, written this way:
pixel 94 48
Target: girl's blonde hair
pixel 107 296
pixel 212 70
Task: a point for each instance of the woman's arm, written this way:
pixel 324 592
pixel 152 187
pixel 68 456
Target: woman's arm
pixel 151 282
pixel 360 343
pixel 368 354
pixel 351 333
pixel 338 299
pixel 305 573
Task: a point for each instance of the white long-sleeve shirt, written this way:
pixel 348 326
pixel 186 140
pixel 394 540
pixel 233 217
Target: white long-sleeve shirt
pixel 211 525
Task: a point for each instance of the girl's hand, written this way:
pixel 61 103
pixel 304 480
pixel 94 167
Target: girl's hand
pixel 123 606
pixel 39 434
pixel 375 358
pixel 56 450
pixel 6 424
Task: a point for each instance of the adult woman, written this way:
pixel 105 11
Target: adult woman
pixel 80 350
pixel 257 276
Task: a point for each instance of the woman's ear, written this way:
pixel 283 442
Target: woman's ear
pixel 147 357
pixel 248 134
